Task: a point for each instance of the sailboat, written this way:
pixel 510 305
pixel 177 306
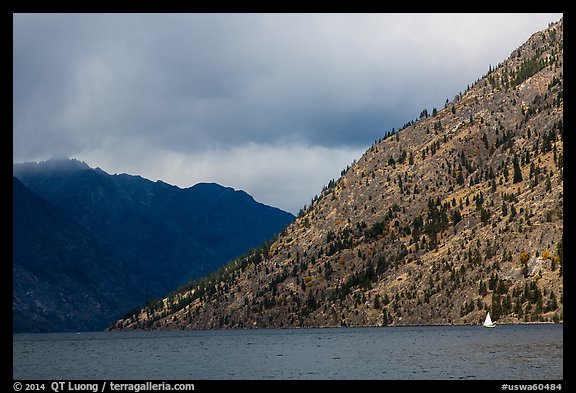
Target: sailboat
pixel 488 321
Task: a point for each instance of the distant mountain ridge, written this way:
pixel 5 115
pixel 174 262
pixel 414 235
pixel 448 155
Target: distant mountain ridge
pixel 458 213
pixel 64 278
pixel 164 235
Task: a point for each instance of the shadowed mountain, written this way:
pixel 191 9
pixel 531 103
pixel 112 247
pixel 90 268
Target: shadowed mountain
pixel 155 236
pixel 64 278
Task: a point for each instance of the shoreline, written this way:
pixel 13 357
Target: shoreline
pixel 347 327
pixel 292 328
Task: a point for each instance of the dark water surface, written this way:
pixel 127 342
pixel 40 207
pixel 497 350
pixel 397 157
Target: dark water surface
pixel 522 352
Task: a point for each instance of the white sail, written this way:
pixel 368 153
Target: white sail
pixel 488 321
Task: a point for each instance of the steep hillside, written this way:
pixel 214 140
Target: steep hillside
pixel 63 277
pixel 459 212
pixel 149 236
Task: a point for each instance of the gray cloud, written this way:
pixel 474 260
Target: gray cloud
pixel 110 86
pixel 289 175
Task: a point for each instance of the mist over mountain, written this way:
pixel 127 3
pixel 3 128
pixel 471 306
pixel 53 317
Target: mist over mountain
pixel 87 240
pixel 458 213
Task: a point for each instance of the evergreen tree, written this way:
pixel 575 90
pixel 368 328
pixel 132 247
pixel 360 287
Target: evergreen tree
pixel 482 290
pixel 517 171
pixel 496 307
pixel 386 317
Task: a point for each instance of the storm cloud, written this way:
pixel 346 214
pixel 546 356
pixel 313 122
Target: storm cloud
pixel 275 104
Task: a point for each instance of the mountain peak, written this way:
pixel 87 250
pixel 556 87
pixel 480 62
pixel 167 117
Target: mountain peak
pixel 54 164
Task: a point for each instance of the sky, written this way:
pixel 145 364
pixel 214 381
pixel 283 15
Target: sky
pixel 276 105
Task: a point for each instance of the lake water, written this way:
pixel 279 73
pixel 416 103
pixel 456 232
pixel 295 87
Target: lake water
pixel 518 352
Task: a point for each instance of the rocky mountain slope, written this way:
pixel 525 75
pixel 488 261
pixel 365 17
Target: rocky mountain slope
pixel 64 278
pixel 89 246
pixel 458 213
